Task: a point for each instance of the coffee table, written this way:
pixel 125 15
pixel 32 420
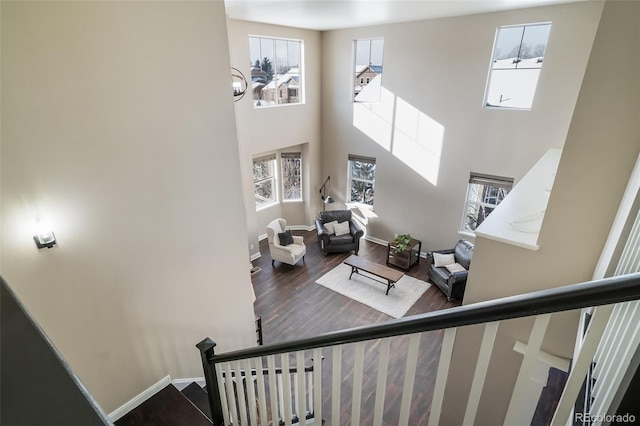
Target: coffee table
pixel 358 264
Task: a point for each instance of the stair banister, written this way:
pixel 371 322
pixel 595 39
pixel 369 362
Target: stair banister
pixel 593 293
pixel 574 296
pixel 206 348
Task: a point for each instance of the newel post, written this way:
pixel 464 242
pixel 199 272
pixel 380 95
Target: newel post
pixel 213 392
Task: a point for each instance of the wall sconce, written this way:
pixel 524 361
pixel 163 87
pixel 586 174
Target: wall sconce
pixel 45 239
pixel 326 199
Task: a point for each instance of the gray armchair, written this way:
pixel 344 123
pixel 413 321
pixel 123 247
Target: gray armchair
pixel 451 283
pixel 329 242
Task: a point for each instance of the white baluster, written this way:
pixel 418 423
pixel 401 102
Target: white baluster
pixel 251 393
pixel 262 397
pixel 240 390
pixel 274 390
pixel 480 374
pixel 383 364
pixel 286 389
pixel 441 376
pixel 300 381
pixel 336 384
pixel 518 397
pixel 317 387
pixel 223 395
pixel 358 365
pixel 581 364
pixel 231 396
pixel 409 378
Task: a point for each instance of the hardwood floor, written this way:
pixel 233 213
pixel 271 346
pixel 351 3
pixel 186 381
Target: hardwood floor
pixel 292 306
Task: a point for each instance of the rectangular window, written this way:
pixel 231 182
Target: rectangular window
pixel 518 53
pixel 484 193
pixel 291 176
pixel 264 176
pixel 276 71
pixel 368 70
pixel 362 177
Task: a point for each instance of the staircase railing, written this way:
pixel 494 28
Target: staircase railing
pixel 539 304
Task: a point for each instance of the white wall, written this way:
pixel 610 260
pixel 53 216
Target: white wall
pixel 118 129
pixel 435 71
pixel 598 157
pixel 266 130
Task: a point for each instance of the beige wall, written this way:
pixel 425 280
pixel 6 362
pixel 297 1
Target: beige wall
pixel 262 130
pixel 599 154
pixel 118 129
pixel 435 71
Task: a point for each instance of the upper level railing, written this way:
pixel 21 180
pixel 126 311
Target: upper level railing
pixel 540 303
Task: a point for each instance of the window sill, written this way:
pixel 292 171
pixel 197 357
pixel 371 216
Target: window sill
pixel 266 206
pixel 277 105
pixel 292 201
pixel 467 234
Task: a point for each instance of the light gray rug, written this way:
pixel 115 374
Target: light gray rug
pixel 372 293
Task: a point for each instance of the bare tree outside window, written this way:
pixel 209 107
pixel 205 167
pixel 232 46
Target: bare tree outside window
pixel 484 193
pixel 264 180
pixel 362 176
pixel 291 176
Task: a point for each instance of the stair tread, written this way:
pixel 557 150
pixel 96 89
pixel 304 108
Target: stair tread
pixel 198 397
pixel 168 407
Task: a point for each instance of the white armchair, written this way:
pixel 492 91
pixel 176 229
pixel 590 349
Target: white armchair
pixel 289 254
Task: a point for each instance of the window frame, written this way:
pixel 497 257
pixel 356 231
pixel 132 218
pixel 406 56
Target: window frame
pixel 351 179
pixel 490 181
pixel 493 60
pixel 274 178
pixel 300 74
pixel 354 82
pixel 285 156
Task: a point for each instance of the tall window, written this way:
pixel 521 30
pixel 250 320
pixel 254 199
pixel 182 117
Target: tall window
pixel 484 193
pixel 291 176
pixel 264 176
pixel 517 60
pixel 362 177
pixel 276 75
pixel 368 67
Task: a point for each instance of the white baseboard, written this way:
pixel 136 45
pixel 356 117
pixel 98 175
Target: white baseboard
pixel 255 256
pixel 140 398
pixel 262 237
pixel 376 240
pixel 183 383
pixel 302 227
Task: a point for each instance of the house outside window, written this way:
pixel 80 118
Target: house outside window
pixel 264 178
pixel 362 176
pixel 484 193
pixel 291 176
pixel 368 67
pixel 276 71
pixel 518 54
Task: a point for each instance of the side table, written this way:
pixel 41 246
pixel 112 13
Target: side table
pixel 404 259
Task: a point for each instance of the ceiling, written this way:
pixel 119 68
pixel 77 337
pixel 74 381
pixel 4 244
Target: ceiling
pixel 335 14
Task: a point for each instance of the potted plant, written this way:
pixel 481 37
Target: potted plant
pixel 402 241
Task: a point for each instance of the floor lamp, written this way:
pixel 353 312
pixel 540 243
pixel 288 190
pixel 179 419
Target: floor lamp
pixel 326 199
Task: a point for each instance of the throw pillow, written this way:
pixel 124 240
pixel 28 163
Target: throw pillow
pixel 330 227
pixel 285 238
pixel 342 228
pixel 455 267
pixel 440 260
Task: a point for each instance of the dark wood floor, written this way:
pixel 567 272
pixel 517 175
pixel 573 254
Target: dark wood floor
pixel 292 306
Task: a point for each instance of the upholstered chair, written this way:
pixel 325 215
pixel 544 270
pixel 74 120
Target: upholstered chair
pixel 283 246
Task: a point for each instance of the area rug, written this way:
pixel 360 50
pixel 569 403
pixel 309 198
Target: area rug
pixel 372 293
